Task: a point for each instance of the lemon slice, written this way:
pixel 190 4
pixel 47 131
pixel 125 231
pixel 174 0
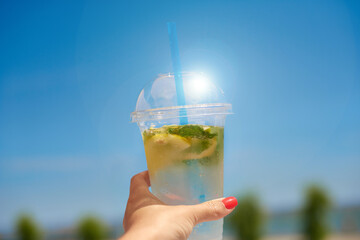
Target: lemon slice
pixel 164 149
pixel 207 152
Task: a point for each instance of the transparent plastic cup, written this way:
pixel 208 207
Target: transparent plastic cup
pixel 184 145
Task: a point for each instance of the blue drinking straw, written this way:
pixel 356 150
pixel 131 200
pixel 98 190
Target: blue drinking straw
pixel 196 169
pixel 175 58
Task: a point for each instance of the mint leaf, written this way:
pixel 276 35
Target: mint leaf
pixel 199 146
pixel 191 131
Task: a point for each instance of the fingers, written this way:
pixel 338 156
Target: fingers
pixel 212 210
pixel 140 183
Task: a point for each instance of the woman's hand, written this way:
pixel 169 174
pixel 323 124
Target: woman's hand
pixel 147 218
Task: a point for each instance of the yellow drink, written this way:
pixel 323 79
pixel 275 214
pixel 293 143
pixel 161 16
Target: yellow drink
pixel 186 165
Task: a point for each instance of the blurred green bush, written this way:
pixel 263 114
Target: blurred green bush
pixel 91 228
pixel 247 219
pixel 314 213
pixel 27 229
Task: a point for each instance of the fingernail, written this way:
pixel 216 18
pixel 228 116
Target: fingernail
pixel 230 202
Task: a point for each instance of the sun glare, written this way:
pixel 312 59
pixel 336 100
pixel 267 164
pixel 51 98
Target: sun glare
pixel 199 85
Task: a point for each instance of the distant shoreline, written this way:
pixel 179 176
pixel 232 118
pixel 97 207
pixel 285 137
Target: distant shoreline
pixel 341 236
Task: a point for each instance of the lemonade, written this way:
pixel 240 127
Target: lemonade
pixel 186 167
pixel 184 141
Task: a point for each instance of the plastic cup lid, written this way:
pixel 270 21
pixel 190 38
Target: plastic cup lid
pixel 158 99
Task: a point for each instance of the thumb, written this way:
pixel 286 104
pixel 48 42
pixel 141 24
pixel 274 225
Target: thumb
pixel 212 210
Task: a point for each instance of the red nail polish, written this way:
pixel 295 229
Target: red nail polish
pixel 230 202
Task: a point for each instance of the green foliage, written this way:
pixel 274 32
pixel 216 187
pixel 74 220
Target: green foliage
pixel 314 212
pixel 247 219
pixel 27 229
pixel 91 228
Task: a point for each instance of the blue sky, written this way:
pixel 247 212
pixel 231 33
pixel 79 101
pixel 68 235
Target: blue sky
pixel 70 74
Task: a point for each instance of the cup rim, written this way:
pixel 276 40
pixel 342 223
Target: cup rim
pixel 181 111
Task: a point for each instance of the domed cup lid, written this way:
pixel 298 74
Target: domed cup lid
pixel 158 99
